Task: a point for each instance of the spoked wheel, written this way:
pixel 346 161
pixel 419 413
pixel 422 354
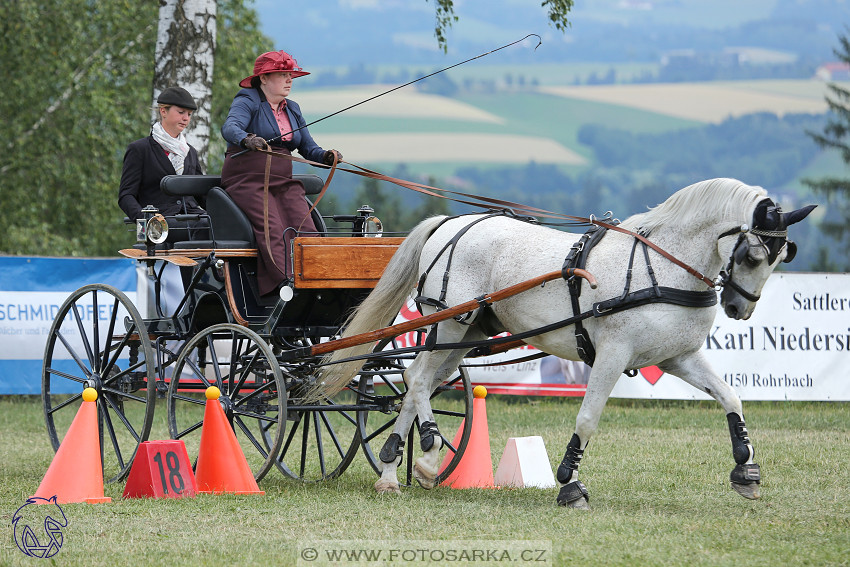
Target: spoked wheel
pixel 382 385
pixel 323 436
pixel 99 340
pixel 243 367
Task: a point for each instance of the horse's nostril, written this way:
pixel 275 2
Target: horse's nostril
pixel 731 311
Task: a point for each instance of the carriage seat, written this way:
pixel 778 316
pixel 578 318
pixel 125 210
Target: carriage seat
pixel 230 226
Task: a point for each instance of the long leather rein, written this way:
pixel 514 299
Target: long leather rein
pixel 486 202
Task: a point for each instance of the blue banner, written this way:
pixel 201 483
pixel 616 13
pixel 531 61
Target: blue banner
pixel 31 293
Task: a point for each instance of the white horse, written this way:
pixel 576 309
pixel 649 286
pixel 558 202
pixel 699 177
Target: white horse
pixel 706 226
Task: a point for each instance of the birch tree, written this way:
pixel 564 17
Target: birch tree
pixel 185 52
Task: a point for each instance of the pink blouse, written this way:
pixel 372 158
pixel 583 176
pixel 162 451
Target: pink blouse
pixel 282 119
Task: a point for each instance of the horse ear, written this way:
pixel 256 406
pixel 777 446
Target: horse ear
pixel 791 251
pixel 760 214
pixel 798 215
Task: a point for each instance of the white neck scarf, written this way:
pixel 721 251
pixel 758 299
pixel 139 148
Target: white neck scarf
pixel 177 147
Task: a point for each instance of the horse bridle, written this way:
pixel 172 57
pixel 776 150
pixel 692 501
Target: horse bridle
pixel 776 241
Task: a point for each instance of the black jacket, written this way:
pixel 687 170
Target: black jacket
pixel 145 164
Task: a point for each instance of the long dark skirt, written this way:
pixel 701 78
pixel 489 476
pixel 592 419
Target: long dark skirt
pixel 242 178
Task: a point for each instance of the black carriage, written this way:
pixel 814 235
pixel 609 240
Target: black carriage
pixel 222 333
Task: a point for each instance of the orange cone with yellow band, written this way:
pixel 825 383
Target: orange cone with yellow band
pixel 475 469
pixel 76 472
pixel 221 467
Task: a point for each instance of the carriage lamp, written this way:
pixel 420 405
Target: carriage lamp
pixel 368 224
pixel 153 228
pixel 156 229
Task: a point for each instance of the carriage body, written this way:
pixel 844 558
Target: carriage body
pixel 223 333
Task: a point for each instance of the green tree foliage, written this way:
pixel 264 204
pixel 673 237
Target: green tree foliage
pixel 559 11
pixel 78 79
pixel 836 136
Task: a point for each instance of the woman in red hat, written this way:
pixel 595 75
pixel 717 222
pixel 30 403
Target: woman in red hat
pixel 261 117
pixel 164 152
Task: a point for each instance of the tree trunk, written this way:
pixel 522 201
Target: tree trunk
pixel 185 49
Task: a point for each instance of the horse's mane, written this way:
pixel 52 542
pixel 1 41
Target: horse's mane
pixel 732 199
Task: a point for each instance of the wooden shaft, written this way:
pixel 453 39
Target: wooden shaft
pixel 426 320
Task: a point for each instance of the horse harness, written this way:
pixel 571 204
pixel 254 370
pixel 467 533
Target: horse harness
pixel 577 258
pixel 770 230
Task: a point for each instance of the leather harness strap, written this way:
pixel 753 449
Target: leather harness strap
pixel 577 259
pixel 266 230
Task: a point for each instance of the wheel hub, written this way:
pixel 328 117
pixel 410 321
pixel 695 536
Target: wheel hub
pixel 227 405
pixel 94 382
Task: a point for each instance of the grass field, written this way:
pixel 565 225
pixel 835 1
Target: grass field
pixel 657 474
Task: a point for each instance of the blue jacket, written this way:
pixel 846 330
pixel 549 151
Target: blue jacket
pixel 251 113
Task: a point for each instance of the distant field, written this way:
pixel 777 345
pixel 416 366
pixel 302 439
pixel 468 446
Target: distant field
pixel 514 127
pixel 428 147
pixel 708 102
pixel 402 103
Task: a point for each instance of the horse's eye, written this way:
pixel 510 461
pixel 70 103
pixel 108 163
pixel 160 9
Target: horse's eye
pixel 751 262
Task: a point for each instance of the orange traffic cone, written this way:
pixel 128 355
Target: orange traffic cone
pixel 475 469
pixel 76 473
pixel 222 466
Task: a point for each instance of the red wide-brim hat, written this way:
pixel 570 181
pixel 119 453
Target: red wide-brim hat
pixel 274 62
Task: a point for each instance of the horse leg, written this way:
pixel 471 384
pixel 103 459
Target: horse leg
pixel 696 371
pixel 426 467
pixel 604 375
pixel 391 453
pixel 427 369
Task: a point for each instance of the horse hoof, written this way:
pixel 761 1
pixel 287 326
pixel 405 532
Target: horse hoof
pixel 749 491
pixel 574 495
pixel 426 477
pixel 386 487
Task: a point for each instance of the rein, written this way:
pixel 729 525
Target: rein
pixel 488 202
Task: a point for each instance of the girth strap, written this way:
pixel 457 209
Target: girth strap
pixel 577 259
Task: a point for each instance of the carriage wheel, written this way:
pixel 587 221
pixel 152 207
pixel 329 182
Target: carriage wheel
pixel 106 352
pixel 323 435
pixel 382 383
pixel 243 367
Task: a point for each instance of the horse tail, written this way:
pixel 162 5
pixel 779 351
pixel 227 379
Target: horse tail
pixel 378 309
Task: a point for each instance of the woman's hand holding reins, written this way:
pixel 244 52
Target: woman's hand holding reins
pixel 329 156
pixel 255 143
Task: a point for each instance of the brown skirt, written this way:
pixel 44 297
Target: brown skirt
pixel 288 210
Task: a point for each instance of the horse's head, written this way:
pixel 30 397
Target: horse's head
pixel 756 254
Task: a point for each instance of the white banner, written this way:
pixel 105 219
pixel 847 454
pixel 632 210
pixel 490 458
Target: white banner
pixel 796 346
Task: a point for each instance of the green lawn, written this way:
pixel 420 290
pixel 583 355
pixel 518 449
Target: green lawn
pixel 657 474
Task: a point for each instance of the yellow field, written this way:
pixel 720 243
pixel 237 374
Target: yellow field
pixel 450 147
pixel 414 147
pixel 708 102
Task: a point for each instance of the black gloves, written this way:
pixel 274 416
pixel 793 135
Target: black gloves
pixel 255 143
pixel 329 156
